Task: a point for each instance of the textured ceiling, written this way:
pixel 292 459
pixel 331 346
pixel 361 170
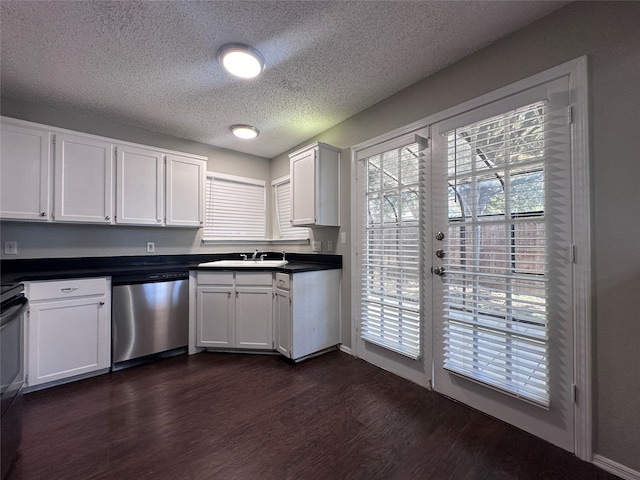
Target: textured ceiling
pixel 153 64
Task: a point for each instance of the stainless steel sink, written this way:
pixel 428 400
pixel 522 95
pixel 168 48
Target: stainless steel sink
pixel 244 263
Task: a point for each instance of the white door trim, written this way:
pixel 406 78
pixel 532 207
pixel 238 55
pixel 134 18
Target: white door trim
pixel 581 224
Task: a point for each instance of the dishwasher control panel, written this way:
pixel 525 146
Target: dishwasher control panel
pixel 168 276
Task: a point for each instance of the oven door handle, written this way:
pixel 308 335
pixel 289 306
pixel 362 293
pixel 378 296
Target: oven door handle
pixel 9 314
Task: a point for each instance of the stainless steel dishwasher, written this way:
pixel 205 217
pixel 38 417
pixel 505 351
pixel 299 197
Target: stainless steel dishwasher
pixel 150 317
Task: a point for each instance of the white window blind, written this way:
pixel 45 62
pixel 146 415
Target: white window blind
pixel 390 259
pixel 496 281
pixel 282 197
pixel 235 208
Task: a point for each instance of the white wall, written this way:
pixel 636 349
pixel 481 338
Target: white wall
pixel 609 34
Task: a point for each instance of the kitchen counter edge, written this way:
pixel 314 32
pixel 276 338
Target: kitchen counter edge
pixel 54 269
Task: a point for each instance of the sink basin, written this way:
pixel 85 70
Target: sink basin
pixel 244 263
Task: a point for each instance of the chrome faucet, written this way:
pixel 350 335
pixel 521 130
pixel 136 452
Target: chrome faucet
pixel 262 257
pixel 243 256
pixel 255 254
pixel 284 256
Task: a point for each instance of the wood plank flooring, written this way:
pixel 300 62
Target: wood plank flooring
pixel 234 416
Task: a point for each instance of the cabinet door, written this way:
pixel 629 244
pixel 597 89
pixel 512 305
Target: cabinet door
pixel 282 311
pixel 67 338
pixel 303 188
pixel 254 318
pixel 83 179
pixel 215 316
pixel 139 186
pixel 24 173
pixel 185 191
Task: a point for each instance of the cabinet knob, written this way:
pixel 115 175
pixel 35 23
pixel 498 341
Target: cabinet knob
pixel 107 217
pixel 101 303
pixel 43 214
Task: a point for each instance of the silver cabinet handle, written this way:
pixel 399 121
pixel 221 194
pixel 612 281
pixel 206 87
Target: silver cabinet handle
pixel 43 214
pixel 439 236
pixel 438 271
pixel 101 303
pixel 440 253
pixel 107 217
pixel 69 289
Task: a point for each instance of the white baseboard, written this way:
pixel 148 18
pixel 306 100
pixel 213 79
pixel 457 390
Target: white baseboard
pixel 346 349
pixel 615 468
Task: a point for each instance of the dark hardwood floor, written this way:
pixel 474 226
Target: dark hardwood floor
pixel 233 416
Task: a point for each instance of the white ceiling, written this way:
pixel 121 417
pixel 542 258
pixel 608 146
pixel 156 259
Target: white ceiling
pixel 152 64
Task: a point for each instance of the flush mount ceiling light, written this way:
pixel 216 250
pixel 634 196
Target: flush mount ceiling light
pixel 241 60
pixel 244 131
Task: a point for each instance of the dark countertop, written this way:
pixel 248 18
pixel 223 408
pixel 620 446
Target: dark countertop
pixel 82 267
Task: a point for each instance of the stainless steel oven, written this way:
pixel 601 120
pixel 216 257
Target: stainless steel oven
pixel 13 305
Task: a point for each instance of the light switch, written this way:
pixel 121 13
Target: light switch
pixel 343 237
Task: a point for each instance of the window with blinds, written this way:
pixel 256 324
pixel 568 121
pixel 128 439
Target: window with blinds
pixel 282 199
pixel 496 281
pixel 390 246
pixel 235 208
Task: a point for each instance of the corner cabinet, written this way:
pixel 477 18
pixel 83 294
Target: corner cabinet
pixel 68 329
pixel 307 312
pixel 234 310
pixel 315 186
pixel 25 169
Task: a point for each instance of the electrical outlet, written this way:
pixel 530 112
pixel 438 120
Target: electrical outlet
pixel 329 245
pixel 151 247
pixel 343 237
pixel 316 246
pixel 11 248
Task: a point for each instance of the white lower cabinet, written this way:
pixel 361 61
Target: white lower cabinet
pixel 68 329
pixel 307 312
pixel 234 310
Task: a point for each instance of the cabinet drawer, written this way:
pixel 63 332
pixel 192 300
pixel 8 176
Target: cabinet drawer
pixel 282 281
pixel 254 278
pixel 215 278
pixel 60 289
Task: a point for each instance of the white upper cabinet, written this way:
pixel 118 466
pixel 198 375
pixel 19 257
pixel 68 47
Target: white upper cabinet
pixel 25 169
pixel 83 179
pixel 185 191
pixel 92 179
pixel 315 185
pixel 139 186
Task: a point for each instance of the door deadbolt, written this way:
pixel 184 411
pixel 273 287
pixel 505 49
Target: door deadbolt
pixel 439 236
pixel 440 253
pixel 438 271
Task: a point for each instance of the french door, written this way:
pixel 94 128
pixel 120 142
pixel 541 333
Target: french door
pixel 502 319
pixel 465 259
